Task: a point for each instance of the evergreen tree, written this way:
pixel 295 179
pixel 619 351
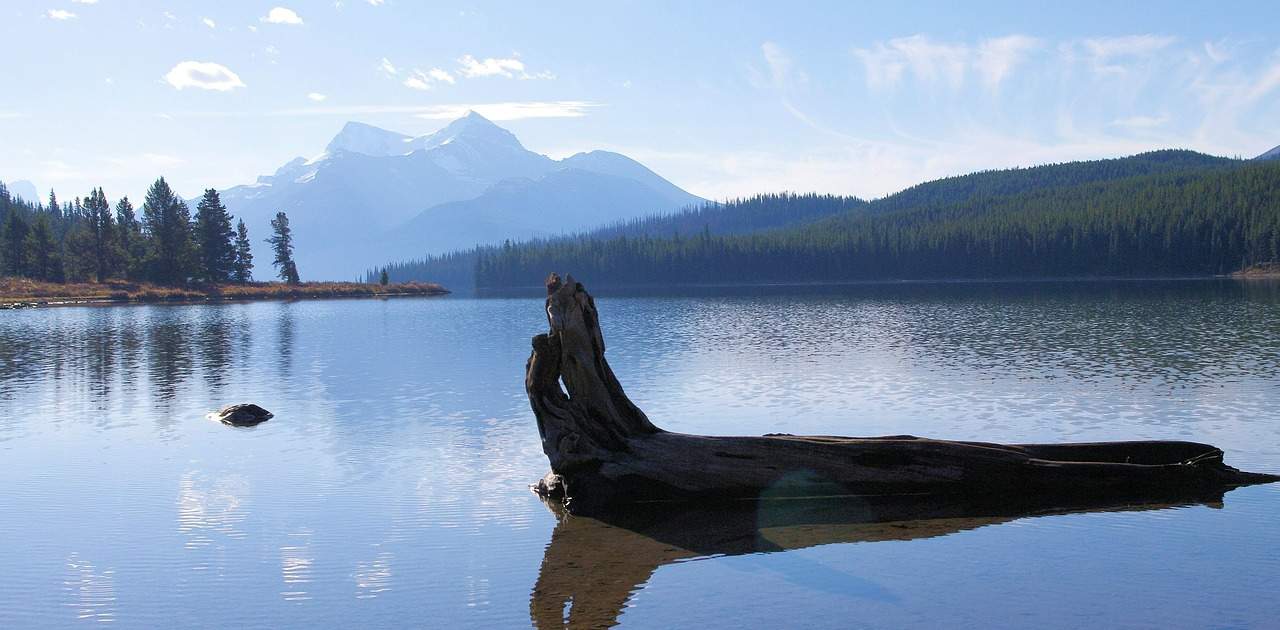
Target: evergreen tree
pixel 133 247
pixel 244 255
pixel 43 262
pixel 282 242
pixel 14 237
pixel 383 279
pixel 214 238
pixel 79 261
pixel 102 228
pixel 166 221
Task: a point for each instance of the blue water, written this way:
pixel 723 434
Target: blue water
pixel 390 488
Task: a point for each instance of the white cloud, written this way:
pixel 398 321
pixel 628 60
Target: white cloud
pixel 209 22
pixel 511 111
pixel 510 67
pixel 281 15
pixel 417 80
pixel 997 57
pixel 781 69
pixel 204 75
pixel 11 115
pixel 387 68
pixel 424 80
pixel 60 14
pixel 85 1
pixel 928 61
pixel 1105 53
pixel 1141 122
pixel 376 3
pixel 440 75
pixel 317 97
pixel 472 67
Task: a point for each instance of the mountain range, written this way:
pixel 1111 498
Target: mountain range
pixel 376 194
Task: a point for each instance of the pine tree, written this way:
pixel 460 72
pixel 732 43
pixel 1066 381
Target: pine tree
pixel 102 229
pixel 383 278
pixel 14 237
pixel 213 237
pixel 132 245
pixel 244 255
pixel 167 224
pixel 282 242
pixel 43 262
pixel 79 262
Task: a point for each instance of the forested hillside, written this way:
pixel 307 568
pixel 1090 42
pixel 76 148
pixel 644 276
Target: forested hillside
pixel 738 216
pixel 1166 213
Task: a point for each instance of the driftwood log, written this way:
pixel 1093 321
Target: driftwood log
pixel 605 453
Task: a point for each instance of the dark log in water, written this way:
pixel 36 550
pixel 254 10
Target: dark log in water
pixel 605 452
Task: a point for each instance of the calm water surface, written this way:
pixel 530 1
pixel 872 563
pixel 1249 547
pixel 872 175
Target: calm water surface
pixel 390 489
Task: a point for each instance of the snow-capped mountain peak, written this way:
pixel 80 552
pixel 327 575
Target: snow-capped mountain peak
pixel 357 137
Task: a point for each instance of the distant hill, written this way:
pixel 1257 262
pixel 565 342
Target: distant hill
pixel 738 216
pixel 375 192
pixel 1160 213
pixel 1273 154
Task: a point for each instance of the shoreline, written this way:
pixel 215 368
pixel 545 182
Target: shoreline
pixel 20 294
pixel 1235 275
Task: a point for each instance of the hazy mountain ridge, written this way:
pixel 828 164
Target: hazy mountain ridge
pixel 1164 213
pixel 379 192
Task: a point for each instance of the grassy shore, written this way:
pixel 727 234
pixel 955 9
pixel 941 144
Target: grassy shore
pixel 16 292
pixel 1270 270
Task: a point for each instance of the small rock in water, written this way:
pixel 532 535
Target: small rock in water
pixel 243 415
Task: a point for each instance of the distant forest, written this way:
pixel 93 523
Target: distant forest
pixel 1165 213
pixel 87 240
pixel 737 216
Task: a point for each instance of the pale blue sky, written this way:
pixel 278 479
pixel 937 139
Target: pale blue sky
pixel 722 98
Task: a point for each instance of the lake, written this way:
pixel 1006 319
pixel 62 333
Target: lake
pixel 391 487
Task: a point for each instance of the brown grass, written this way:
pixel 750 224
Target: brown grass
pixel 30 292
pixel 1261 270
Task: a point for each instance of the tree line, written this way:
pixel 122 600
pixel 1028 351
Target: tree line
pixel 1170 213
pixel 87 240
pixel 734 216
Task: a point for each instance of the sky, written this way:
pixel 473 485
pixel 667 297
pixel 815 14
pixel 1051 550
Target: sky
pixel 724 99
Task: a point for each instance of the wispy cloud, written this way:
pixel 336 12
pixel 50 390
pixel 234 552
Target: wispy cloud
pixel 1108 55
pixel 929 61
pixel 1141 122
pixel 387 68
pixel 204 75
pixel 281 15
pixel 85 1
pixel 996 58
pixel 317 97
pixel 426 79
pixel 511 111
pixel 11 115
pixel 60 14
pixel 208 22
pixel 510 67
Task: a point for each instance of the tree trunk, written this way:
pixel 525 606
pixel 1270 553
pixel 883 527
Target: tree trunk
pixel 605 453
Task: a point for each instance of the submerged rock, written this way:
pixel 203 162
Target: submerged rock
pixel 243 415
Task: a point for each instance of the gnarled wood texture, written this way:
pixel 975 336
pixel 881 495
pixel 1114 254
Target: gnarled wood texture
pixel 604 451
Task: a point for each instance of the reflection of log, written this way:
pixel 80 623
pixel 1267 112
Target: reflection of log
pixel 594 564
pixel 604 451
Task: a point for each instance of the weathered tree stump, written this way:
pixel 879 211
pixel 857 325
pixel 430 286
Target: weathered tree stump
pixel 604 451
